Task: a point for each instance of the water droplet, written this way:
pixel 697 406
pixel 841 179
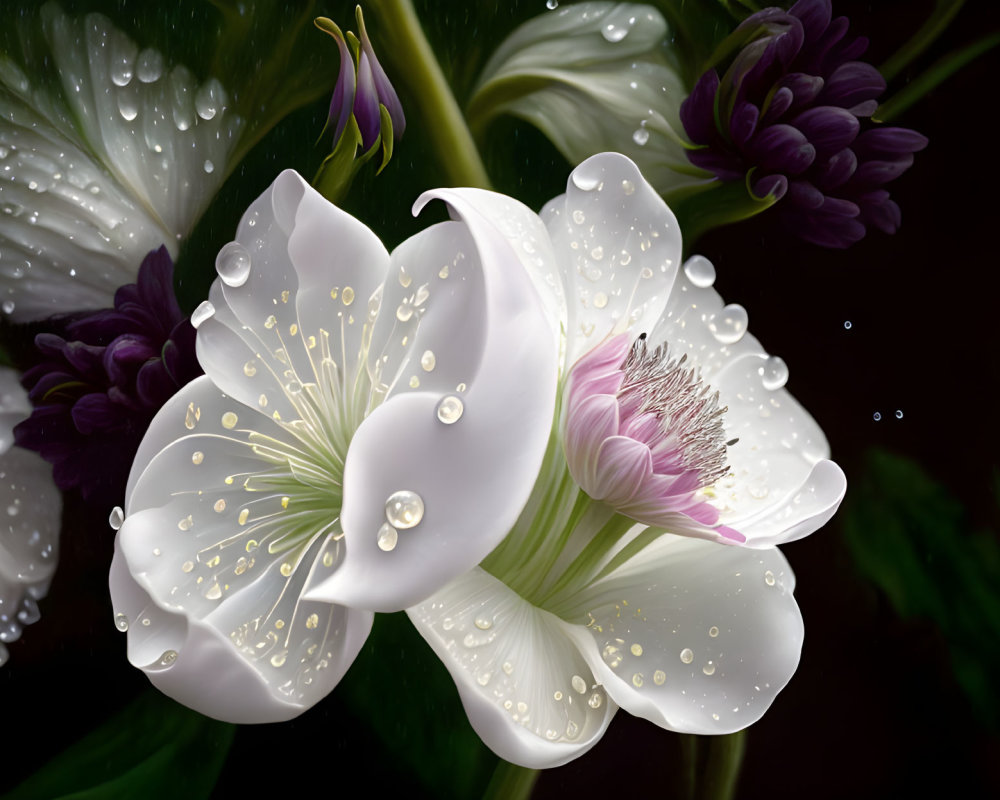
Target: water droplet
pixel 347 296
pixel 186 524
pixel 117 518
pixel 286 569
pixel 769 578
pixel 243 516
pixel 8 306
pixel 328 559
pixel 578 217
pixel 552 5
pixel 404 509
pixel 614 33
pixel 627 186
pixel 233 264
pixel 220 505
pixel 640 136
pixel 877 416
pixel 597 253
pixel 585 181
pixel 579 684
pixel 595 700
pixel 187 566
pixel 121 70
pixel 729 325
pixel 700 271
pixel 207 100
pixel 687 655
pixel 229 420
pixel 121 622
pixel 201 313
pixel 636 649
pixel 899 413
pixel 600 300
pixel 659 677
pixel 848 325
pixel 427 361
pixel 483 623
pixel 208 166
pixel 278 659
pixel 507 667
pixel 713 631
pixel 709 668
pixel 149 66
pixel 414 382
pixel 450 409
pixel 637 680
pixel 168 658
pixel 774 373
pixel 250 369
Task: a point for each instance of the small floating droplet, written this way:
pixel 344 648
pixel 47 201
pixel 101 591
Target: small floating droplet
pixel 877 416
pixel 117 518
pixel 404 509
pixel 848 325
pixel 700 271
pixel 774 373
pixel 899 413
pixel 233 264
pixel 201 313
pixel 640 137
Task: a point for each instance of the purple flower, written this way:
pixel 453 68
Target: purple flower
pixel 98 386
pixel 790 117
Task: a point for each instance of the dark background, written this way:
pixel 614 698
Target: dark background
pixel 877 707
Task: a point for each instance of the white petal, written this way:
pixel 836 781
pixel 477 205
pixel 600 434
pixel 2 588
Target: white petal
pixel 692 635
pixel 528 692
pixel 619 246
pixel 595 78
pixel 224 665
pixel 484 324
pixel 30 507
pixel 98 175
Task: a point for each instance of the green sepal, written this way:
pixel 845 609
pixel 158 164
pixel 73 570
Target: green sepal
pixel 334 176
pixel 385 134
pixel 155 749
pixel 715 203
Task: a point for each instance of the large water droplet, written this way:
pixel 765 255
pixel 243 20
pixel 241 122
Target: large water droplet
pixel 552 5
pixel 168 658
pixel 388 537
pixel 149 66
pixel 640 136
pixel 450 409
pixel 404 509
pixel 121 622
pixel 774 373
pixel 127 107
pixel 687 655
pixel 700 271
pixel 201 313
pixel 208 99
pixel 117 518
pixel 233 264
pixel 729 325
pixel 585 179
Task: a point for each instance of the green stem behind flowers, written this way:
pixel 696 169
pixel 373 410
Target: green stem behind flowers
pixel 942 15
pixel 711 765
pixel 415 65
pixel 511 782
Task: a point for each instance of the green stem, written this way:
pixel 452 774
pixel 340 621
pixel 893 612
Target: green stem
pixel 712 765
pixel 416 67
pixel 942 15
pixel 510 782
pixel 940 71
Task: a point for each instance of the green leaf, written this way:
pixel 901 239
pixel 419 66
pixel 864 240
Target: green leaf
pixel 935 24
pixel 404 691
pixel 909 536
pixel 154 748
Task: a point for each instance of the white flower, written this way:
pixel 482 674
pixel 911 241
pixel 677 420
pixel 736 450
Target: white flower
pixel 368 429
pixel 30 507
pixel 580 610
pixel 594 77
pixel 105 154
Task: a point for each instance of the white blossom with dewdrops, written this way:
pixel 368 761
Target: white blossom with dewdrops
pixel 368 429
pixel 30 510
pixel 643 571
pixel 107 151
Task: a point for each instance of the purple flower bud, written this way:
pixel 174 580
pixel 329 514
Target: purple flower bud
pixel 792 107
pixel 99 384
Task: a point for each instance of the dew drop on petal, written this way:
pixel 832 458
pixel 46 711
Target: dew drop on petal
pixel 168 658
pixel 552 5
pixel 769 578
pixel 233 264
pixel 388 537
pixel 595 700
pixel 774 373
pixel 729 325
pixel 208 166
pixel 709 668
pixel 579 684
pixel 201 313
pixel 713 631
pixel 149 66
pixel 627 186
pixel 229 420
pixel 450 409
pixel 428 361
pixel 117 518
pixel 121 622
pixel 687 655
pixel 578 217
pixel 404 509
pixel 700 271
pixel 659 677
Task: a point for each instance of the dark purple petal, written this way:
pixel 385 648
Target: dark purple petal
pixel 743 123
pixel 386 93
pixel 366 111
pixel 879 211
pixel 722 165
pixel 865 109
pixel 832 231
pixel 804 195
pixel 828 128
pixel 50 345
pixel 156 289
pixel 840 207
pixel 881 142
pixel 179 355
pixel 771 185
pixel 123 357
pixel 780 102
pixel 873 174
pixel 54 387
pixel 95 413
pixel 852 83
pixel 698 110
pixel 342 102
pixel 815 16
pixel 782 148
pixel 804 87
pixel 845 51
pixel 836 171
pixel 153 384
pixel 821 53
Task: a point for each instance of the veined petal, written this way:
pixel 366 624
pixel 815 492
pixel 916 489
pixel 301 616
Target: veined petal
pixel 124 161
pixel 619 246
pixel 473 473
pixel 694 636
pixel 528 692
